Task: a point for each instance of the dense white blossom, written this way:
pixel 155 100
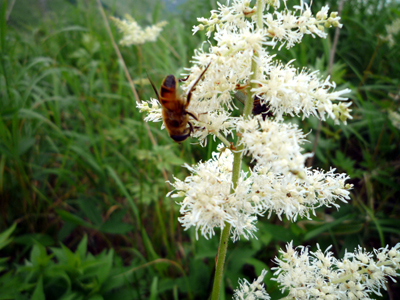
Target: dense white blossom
pixel 236 55
pixel 394 117
pixel 133 34
pixel 319 275
pixel 392 30
pixel 153 109
pixel 292 196
pixel 288 91
pixel 253 291
pixel 236 43
pixel 275 145
pixel 209 202
pixel 278 182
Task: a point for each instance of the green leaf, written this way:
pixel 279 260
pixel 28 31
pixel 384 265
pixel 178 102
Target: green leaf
pixel 125 192
pixel 278 233
pixel 154 289
pixel 258 265
pixel 88 158
pixel 67 258
pixel 326 226
pixel 68 217
pixel 30 114
pixel 71 296
pixel 30 239
pixel 96 297
pixel 38 293
pixel 66 230
pixel 106 267
pixel 58 272
pixel 39 255
pixel 3 26
pixel 25 144
pixel 114 282
pixel 73 259
pixel 91 211
pixel 82 248
pixel 67 29
pixel 115 225
pixel 5 236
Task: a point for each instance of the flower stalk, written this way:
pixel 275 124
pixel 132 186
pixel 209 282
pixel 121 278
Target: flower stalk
pixel 237 165
pixel 218 194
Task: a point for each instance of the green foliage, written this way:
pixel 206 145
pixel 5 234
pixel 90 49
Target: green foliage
pixel 64 274
pixel 78 169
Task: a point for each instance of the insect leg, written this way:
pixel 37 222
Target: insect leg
pixel 191 127
pixel 192 115
pixel 194 85
pixel 180 80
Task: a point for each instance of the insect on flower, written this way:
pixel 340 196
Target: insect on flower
pixel 174 107
pixel 261 109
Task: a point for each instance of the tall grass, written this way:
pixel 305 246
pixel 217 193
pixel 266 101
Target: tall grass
pixel 76 159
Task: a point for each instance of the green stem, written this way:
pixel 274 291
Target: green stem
pixel 222 138
pixel 237 163
pixel 219 271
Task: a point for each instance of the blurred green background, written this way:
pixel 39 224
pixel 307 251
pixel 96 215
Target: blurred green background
pixel 84 212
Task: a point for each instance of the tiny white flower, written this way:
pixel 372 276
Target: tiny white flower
pixel 208 201
pixel 292 92
pixel 316 275
pixel 153 109
pixel 253 291
pixel 275 146
pixel 133 34
pixel 394 117
pixel 392 30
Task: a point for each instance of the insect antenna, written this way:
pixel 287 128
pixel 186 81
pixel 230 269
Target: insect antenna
pixel 154 88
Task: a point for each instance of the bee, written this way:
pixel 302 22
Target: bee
pixel 258 107
pixel 174 107
pixel 261 109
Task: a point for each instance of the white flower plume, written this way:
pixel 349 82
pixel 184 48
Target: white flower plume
pixel 133 34
pixel 291 196
pixel 292 92
pixel 208 202
pixel 153 108
pixel 392 30
pixel 238 62
pixel 275 146
pixel 319 275
pixel 253 291
pixel 237 42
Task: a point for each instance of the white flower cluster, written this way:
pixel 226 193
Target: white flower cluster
pixel 133 34
pixel 275 146
pixel 279 182
pixel 288 91
pixel 290 29
pixel 237 43
pixel 392 30
pixel 252 291
pixel 293 197
pixel 283 26
pixel 209 202
pixel 153 110
pixel 319 275
pixel 394 117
